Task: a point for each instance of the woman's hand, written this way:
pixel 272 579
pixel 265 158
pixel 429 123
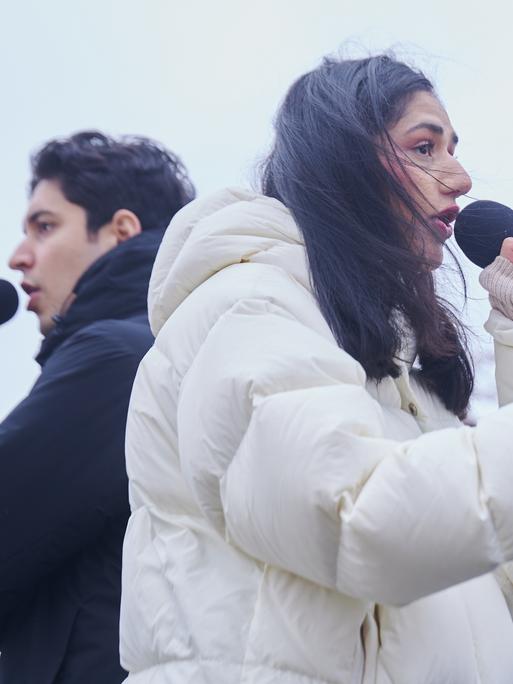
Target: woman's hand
pixel 497 279
pixel 507 249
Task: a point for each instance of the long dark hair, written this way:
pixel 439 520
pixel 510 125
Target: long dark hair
pixel 325 166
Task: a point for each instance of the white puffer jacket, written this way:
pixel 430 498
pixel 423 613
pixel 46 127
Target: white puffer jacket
pixel 292 522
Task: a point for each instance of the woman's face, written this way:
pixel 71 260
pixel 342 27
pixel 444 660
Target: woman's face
pixel 425 141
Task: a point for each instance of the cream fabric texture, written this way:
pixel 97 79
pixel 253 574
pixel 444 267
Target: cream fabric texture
pixel 291 521
pixel 497 278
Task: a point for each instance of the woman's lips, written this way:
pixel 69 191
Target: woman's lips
pixel 442 221
pixel 444 228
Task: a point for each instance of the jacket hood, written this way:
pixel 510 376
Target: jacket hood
pixel 115 286
pixel 230 227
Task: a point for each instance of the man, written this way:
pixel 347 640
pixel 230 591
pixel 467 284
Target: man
pixel 97 212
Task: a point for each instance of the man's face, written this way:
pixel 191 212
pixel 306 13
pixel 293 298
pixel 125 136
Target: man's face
pixel 55 251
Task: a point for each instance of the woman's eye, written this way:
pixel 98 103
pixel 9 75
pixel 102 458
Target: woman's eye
pixel 44 227
pixel 425 149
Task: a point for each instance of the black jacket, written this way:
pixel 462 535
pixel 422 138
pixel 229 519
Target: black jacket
pixel 63 483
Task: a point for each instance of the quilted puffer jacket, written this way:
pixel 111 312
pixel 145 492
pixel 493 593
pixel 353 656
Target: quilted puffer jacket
pixel 292 521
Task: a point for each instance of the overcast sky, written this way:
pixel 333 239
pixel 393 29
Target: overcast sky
pixel 205 77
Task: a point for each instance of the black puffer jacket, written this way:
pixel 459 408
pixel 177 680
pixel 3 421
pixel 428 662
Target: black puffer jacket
pixel 63 484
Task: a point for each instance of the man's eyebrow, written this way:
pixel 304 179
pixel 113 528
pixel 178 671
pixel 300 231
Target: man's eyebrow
pixel 35 216
pixel 32 218
pixel 434 128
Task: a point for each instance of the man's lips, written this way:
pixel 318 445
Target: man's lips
pixel 28 287
pixel 33 293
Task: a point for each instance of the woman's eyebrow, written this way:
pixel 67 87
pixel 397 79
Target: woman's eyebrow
pixel 434 128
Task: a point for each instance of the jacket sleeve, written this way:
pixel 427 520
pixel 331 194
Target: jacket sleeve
pixel 501 329
pixel 62 471
pixel 284 451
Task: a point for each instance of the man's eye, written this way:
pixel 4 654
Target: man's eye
pixel 425 149
pixel 44 227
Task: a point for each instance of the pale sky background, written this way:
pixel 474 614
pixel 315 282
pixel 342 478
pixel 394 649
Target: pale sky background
pixel 205 77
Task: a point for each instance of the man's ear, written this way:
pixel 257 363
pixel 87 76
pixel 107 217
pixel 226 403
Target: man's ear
pixel 124 225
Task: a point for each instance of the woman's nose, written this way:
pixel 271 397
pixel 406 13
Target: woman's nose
pixel 456 180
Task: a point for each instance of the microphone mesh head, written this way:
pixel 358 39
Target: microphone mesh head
pixel 481 228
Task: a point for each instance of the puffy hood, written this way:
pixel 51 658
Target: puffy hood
pixel 230 227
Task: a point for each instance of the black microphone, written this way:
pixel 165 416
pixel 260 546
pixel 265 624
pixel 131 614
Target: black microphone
pixel 481 228
pixel 8 301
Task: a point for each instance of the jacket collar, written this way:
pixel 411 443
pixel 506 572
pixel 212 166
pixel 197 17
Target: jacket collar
pixel 115 286
pixel 232 226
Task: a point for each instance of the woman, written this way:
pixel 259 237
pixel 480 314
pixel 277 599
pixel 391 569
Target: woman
pixel 307 506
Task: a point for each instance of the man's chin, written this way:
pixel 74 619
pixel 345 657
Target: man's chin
pixel 46 325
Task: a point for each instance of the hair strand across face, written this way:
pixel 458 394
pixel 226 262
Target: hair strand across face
pixel 326 168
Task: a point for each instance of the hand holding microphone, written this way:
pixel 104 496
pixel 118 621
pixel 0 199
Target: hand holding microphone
pixel 484 231
pixel 507 249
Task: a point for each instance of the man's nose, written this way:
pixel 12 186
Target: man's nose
pixel 22 258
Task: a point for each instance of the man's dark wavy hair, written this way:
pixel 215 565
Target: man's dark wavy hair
pixel 326 167
pixel 103 174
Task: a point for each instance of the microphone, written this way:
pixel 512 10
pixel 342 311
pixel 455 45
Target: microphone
pixel 481 228
pixel 8 301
